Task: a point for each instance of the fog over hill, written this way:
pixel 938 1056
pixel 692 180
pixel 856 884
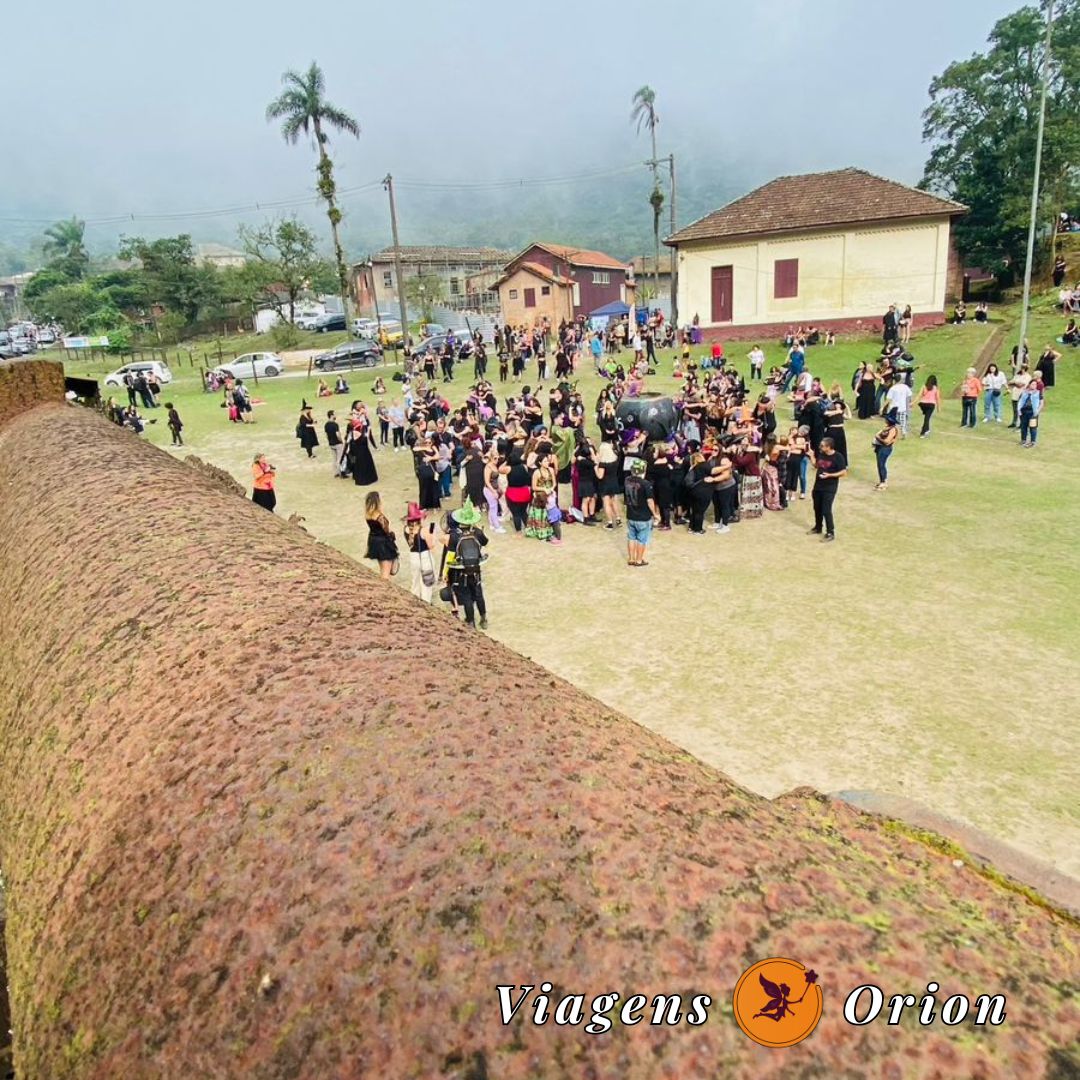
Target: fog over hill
pixel 161 122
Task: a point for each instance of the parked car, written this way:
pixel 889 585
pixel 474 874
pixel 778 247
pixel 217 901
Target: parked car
pixel 391 332
pixel 45 336
pixel 351 354
pixel 262 364
pixel 147 367
pixel 330 321
pixel 463 346
pixel 432 329
pixel 307 321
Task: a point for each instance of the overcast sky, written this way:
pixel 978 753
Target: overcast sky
pixel 140 107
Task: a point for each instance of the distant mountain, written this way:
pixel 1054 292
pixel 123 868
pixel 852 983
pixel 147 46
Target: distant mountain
pixel 611 214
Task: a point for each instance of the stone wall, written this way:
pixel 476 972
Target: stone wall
pixel 26 383
pixel 276 818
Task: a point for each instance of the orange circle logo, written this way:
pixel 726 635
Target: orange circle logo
pixel 777 1002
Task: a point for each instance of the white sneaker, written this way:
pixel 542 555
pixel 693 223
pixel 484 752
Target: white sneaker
pixel 986 419
pixel 499 529
pixel 722 528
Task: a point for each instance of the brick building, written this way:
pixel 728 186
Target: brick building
pixel 560 282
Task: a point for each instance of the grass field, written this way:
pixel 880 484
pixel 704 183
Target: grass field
pixel 929 653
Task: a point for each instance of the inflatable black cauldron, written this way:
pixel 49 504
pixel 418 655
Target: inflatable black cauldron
pixel 652 413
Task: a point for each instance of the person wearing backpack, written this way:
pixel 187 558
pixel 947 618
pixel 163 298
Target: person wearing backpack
pixel 464 556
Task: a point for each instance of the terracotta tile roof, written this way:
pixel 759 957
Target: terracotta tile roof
pixel 816 200
pixel 533 268
pixel 436 254
pixel 579 256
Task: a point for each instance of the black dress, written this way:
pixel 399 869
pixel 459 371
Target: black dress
pixel 361 463
pixel 381 544
pixel 309 438
pixel 864 400
pixel 429 485
pixel 835 428
pixel 1046 366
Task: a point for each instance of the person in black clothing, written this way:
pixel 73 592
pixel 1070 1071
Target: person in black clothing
pixel 585 459
pixel 659 473
pixel 480 361
pixel 475 467
pixel 812 416
pixel 831 466
pixel 699 486
pixel 890 325
pixel 176 425
pixel 305 431
pixel 333 440
pixel 640 513
pixel 465 581
pixel 129 385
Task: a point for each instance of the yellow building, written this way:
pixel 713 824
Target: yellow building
pixel 831 249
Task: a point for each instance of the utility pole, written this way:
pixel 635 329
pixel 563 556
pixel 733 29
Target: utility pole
pixel 388 183
pixel 674 252
pixel 1035 183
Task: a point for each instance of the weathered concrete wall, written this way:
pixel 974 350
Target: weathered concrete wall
pixel 26 383
pixel 271 817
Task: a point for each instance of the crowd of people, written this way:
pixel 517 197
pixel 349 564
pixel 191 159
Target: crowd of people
pixel 737 447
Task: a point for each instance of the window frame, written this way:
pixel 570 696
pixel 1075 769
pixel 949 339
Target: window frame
pixel 785 278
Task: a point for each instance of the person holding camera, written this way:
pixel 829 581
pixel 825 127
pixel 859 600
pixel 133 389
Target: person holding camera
pixel 423 538
pixel 262 482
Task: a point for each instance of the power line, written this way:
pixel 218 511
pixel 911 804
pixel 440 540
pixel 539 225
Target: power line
pixel 118 219
pixel 92 220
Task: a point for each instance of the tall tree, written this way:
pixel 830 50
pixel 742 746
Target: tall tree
pixel 424 291
pixel 171 276
pixel 643 114
pixel 65 249
pixel 302 108
pixel 283 263
pixel 981 124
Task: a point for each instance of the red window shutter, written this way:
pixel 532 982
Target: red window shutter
pixel 785 278
pixel 530 298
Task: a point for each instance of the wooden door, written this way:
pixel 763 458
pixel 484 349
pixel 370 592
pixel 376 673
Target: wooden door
pixel 722 306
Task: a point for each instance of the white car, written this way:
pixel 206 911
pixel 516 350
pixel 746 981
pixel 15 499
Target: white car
pixel 155 367
pixel 262 364
pixel 306 321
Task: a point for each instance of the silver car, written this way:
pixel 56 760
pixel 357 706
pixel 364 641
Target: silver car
pixel 260 364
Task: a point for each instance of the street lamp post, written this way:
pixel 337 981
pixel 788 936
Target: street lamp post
pixel 1035 183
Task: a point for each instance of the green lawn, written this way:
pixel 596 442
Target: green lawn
pixel 928 653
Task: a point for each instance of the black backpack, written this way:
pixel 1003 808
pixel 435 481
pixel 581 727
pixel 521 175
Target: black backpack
pixel 468 552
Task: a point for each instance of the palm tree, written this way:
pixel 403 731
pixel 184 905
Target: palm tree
pixel 644 113
pixel 64 245
pixel 303 108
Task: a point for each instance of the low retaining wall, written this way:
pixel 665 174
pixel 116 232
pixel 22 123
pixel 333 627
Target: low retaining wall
pixel 770 333
pixel 264 814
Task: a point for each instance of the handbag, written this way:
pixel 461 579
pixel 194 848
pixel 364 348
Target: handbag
pixel 427 570
pixel 446 593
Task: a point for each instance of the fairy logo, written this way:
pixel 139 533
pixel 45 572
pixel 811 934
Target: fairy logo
pixel 765 1007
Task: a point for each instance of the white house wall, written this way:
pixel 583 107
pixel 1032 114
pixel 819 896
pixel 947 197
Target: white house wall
pixel 852 273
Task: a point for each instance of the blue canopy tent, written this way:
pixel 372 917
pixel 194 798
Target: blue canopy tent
pixel 600 318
